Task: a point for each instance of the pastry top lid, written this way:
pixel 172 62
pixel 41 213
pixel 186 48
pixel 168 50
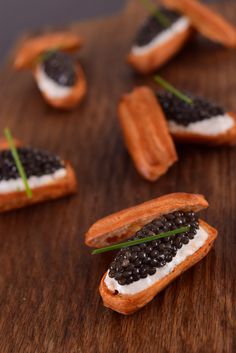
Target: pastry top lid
pixel 123 224
pixel 4 145
pixel 206 21
pixel 146 133
pixel 32 48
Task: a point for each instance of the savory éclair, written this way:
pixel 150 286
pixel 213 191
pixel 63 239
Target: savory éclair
pixel 139 272
pixel 58 74
pixel 48 177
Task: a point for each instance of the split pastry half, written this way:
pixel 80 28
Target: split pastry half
pixel 146 133
pixel 157 42
pixel 199 122
pixel 205 20
pixel 139 272
pixel 48 177
pixel 58 74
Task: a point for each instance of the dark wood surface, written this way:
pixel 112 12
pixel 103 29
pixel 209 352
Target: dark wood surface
pixel 49 300
pixel 25 15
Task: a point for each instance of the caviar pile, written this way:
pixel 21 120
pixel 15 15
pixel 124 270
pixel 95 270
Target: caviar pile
pixel 153 26
pixel 60 67
pixel 35 163
pixel 139 261
pixel 183 113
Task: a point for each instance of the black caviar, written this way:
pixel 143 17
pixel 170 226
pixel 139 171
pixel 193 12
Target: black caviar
pixel 139 261
pixel 183 113
pixel 152 26
pixel 60 67
pixel 35 163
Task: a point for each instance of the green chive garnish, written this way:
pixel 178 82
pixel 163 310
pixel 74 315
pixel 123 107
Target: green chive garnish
pixel 162 19
pixel 140 241
pixel 17 160
pixel 45 55
pixel 172 89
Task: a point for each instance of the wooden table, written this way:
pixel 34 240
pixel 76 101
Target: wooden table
pixel 49 299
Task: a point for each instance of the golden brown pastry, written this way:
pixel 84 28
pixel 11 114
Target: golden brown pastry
pixel 205 20
pixel 146 133
pixel 121 225
pixel 60 78
pixel 32 48
pixel 139 272
pixel 4 145
pixel 48 177
pixel 156 43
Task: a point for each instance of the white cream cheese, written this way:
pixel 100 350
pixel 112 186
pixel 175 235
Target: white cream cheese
pixel 177 27
pixel 13 185
pixel 182 254
pixel 208 127
pixel 51 88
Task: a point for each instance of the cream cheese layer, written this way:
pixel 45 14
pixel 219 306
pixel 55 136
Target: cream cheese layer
pixel 13 185
pixel 209 127
pixel 182 254
pixel 177 27
pixel 51 88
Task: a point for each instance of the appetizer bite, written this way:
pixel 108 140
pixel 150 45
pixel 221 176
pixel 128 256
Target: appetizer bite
pixel 58 74
pixel 205 20
pixel 169 238
pixel 146 133
pixel 161 36
pixel 29 175
pixel 195 119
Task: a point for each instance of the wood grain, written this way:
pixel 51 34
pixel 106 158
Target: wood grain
pixel 49 299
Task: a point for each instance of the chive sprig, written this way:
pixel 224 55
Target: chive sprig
pixel 46 55
pixel 162 19
pixel 167 86
pixel 140 241
pixel 17 160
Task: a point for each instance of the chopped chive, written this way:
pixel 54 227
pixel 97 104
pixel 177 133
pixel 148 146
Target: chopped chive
pixel 45 55
pixel 172 89
pixel 162 19
pixel 17 160
pixel 140 241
